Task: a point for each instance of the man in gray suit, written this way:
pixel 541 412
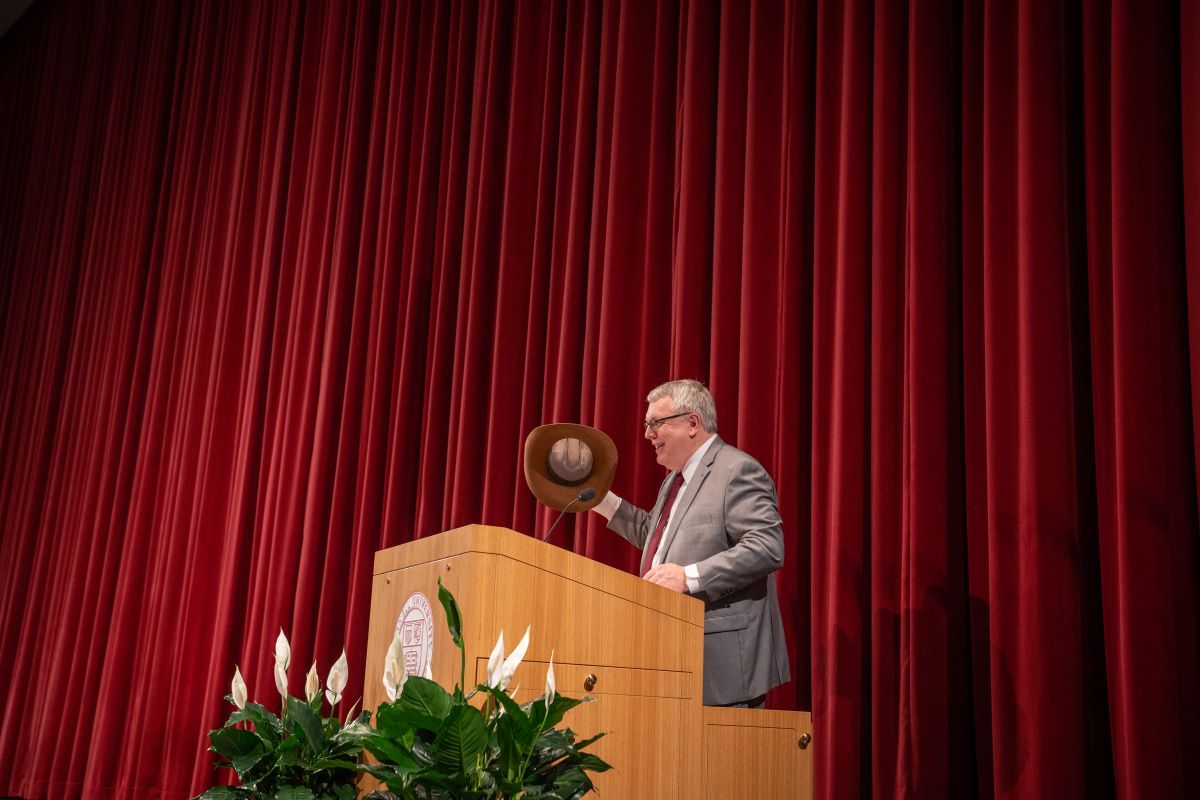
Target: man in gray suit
pixel 714 533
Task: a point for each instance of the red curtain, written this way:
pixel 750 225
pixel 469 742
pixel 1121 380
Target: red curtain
pixel 285 283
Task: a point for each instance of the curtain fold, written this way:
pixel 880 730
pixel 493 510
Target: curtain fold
pixel 1145 461
pixel 283 284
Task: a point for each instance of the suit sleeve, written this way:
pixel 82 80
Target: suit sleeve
pixel 632 523
pixel 753 525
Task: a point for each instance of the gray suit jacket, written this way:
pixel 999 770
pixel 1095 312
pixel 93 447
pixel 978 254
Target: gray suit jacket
pixel 728 525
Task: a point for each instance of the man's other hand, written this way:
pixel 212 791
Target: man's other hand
pixel 668 575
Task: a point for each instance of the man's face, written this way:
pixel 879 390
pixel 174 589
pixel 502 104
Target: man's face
pixel 675 439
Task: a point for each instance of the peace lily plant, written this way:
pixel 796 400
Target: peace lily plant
pixel 428 744
pixel 298 755
pixel 437 745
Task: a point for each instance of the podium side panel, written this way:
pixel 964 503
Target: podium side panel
pixel 756 754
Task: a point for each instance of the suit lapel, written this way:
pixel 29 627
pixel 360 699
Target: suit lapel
pixel 689 494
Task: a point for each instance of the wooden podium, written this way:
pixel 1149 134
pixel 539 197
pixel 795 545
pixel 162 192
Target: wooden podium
pixel 635 647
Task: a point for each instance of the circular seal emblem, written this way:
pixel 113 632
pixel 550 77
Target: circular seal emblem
pixel 415 627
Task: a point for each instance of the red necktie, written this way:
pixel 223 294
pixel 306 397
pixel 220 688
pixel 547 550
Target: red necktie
pixel 656 537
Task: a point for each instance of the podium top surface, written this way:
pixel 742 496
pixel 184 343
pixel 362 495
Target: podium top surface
pixel 508 544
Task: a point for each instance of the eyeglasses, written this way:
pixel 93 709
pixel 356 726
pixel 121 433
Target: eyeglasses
pixel 655 424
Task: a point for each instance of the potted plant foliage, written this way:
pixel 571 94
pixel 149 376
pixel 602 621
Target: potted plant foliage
pixel 428 744
pixel 436 745
pixel 298 755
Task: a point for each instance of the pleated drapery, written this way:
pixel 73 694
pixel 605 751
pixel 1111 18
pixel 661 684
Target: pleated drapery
pixel 285 283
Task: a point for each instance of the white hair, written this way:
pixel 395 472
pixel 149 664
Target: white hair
pixel 689 396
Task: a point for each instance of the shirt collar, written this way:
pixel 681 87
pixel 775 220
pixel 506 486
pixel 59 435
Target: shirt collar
pixel 689 467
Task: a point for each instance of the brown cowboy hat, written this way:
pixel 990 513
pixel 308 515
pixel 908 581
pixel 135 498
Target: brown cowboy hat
pixel 563 459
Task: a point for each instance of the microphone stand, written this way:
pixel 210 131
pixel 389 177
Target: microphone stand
pixel 584 496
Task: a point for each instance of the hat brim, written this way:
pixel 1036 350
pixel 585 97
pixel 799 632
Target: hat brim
pixel 552 489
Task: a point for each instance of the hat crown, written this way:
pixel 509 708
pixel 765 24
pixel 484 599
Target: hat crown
pixel 570 461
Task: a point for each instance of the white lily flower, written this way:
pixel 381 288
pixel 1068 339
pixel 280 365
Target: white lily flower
pixel 494 662
pixel 238 689
pixel 393 669
pixel 335 684
pixel 283 659
pixel 283 650
pixel 312 683
pixel 550 687
pixel 509 668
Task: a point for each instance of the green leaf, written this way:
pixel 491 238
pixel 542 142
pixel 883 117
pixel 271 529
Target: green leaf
pixel 510 756
pixel 383 774
pixel 555 755
pixel 593 763
pixel 537 715
pixel 380 794
pixel 390 720
pixel 453 615
pixel 287 754
pixel 391 752
pixel 425 698
pixel 354 729
pixel 558 709
pixel 422 750
pixel 293 792
pixel 586 742
pixel 515 716
pixel 451 786
pixel 349 741
pixel 266 724
pixel 460 741
pixel 233 742
pixel 309 723
pixel 332 764
pixel 261 781
pixel 218 793
pixel 401 722
pixel 572 783
pixel 555 742
pixel 244 765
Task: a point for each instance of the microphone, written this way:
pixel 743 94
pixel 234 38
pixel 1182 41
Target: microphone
pixel 584 496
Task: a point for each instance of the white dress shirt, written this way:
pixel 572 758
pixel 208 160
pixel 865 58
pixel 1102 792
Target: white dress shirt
pixel 611 502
